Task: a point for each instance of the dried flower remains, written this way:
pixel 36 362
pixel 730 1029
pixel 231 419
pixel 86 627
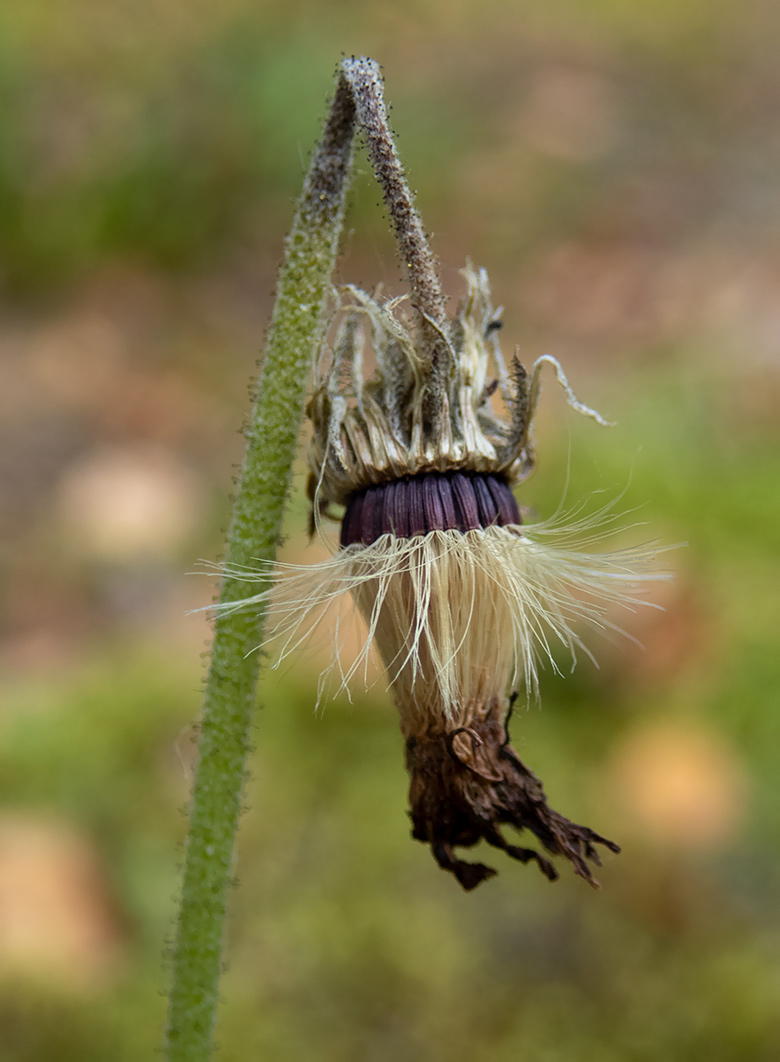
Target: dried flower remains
pixel 461 598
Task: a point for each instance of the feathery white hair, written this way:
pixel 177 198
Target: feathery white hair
pixel 458 617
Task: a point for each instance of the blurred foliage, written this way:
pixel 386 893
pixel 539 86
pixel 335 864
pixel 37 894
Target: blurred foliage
pixel 614 166
pixel 163 131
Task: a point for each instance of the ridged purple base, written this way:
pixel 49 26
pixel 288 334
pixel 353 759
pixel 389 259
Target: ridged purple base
pixel 433 501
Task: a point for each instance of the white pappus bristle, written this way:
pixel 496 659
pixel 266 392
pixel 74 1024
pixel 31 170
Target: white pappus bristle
pixel 458 618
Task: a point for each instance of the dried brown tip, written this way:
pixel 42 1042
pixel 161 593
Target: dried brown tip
pixel 469 781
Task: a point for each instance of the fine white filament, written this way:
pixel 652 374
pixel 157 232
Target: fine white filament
pixel 458 618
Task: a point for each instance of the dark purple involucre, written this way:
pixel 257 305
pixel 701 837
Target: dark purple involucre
pixel 432 501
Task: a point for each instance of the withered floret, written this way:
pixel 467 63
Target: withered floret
pixel 468 782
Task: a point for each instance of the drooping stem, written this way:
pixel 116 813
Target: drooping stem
pixel 255 528
pixel 254 534
pixel 365 80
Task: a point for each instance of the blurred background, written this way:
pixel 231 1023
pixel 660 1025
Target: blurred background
pixel 615 166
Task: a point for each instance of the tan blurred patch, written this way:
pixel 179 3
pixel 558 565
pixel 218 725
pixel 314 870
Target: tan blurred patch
pixel 75 360
pixel 677 635
pixel 119 503
pixel 55 913
pixel 597 291
pixel 569 113
pixel 680 784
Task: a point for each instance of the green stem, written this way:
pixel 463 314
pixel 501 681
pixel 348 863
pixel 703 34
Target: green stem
pixel 255 529
pixel 254 533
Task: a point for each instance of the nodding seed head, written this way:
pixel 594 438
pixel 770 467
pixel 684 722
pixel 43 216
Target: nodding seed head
pixel 460 600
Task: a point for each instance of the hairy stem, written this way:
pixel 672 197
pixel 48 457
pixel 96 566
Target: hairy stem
pixel 365 80
pixel 254 534
pixel 255 527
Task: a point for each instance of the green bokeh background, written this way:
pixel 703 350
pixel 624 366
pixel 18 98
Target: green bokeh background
pixel 615 167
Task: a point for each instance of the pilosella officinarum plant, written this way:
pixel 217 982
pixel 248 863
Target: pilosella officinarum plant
pixel 417 458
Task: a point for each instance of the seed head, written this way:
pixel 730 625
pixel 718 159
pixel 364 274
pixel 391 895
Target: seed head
pixel 461 599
